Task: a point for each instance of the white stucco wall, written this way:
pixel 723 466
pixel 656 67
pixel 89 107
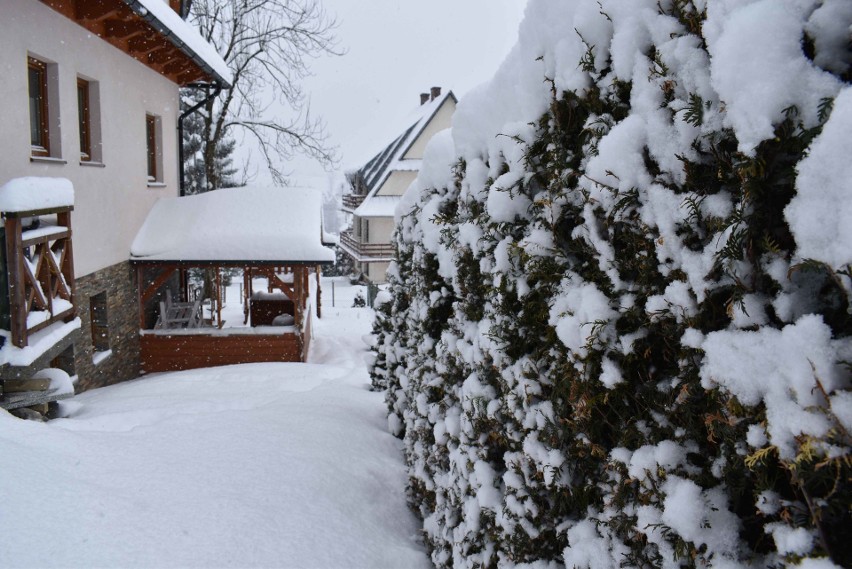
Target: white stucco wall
pixel 397 182
pixel 442 120
pixel 110 202
pixel 378 272
pixel 381 229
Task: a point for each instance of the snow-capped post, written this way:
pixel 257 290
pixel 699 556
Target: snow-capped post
pixel 39 259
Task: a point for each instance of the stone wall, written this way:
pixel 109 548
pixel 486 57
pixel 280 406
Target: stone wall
pixel 119 283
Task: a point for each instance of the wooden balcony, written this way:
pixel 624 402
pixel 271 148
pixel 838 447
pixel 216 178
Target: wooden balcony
pixel 352 201
pixel 40 267
pixel 366 252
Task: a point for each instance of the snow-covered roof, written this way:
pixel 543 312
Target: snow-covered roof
pixel 378 168
pixel 235 224
pixel 378 206
pixel 183 36
pixel 34 193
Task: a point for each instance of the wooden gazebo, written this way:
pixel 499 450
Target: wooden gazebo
pixel 271 236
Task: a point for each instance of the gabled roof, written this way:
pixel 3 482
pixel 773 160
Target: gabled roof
pixel 389 159
pixel 151 32
pixel 234 225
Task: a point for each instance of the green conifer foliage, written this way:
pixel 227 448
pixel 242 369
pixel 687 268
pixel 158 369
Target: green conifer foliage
pixel 541 367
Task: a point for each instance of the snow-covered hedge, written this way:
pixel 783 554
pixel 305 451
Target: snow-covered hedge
pixel 618 331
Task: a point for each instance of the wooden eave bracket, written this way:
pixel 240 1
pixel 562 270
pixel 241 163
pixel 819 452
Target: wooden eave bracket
pixel 116 23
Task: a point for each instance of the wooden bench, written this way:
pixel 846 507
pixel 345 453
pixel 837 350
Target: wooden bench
pixel 179 314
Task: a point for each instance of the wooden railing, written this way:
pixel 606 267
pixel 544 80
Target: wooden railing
pixel 367 251
pixel 352 201
pixel 40 267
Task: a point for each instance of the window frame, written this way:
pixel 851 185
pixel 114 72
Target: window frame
pixel 152 135
pixel 43 107
pixel 84 119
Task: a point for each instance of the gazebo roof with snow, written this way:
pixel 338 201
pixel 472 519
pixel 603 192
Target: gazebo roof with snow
pixel 238 226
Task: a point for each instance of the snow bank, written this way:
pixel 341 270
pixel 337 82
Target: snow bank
pixel 260 465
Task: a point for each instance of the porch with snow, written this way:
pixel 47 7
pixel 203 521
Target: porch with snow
pixel 187 249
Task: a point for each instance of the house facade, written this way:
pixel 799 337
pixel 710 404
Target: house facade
pixel 91 95
pixel 376 188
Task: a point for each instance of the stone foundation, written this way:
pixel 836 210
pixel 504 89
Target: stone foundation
pixel 119 283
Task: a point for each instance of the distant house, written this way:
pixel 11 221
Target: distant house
pixel 377 187
pixel 90 122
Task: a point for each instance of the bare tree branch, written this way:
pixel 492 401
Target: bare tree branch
pixel 268 45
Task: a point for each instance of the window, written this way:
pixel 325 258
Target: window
pixel 43 86
pixel 365 233
pixel 84 119
pixel 39 130
pixel 153 137
pixel 100 324
pixel 88 122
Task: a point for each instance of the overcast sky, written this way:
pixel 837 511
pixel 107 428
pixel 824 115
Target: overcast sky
pixel 397 49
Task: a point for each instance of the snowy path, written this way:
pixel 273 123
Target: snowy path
pixel 272 465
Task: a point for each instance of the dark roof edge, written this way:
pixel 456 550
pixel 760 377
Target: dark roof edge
pixel 228 263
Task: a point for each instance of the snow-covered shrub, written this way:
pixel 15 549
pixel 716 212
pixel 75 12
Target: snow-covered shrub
pixel 619 327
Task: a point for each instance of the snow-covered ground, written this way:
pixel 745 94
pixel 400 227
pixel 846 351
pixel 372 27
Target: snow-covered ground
pixel 273 465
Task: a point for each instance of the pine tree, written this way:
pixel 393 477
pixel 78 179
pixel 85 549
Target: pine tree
pixel 198 178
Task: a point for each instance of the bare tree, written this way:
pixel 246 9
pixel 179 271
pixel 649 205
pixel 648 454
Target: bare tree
pixel 268 45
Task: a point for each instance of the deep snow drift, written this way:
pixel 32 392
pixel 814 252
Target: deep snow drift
pixel 274 465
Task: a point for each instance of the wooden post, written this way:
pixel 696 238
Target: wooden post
pixel 17 296
pixel 306 287
pixel 139 285
pixel 297 302
pixel 219 296
pixel 64 218
pixel 183 293
pixel 246 294
pixel 319 294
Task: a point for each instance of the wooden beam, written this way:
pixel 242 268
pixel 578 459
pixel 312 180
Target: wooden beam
pixel 17 296
pixel 219 297
pixel 124 30
pixel 141 45
pixel 66 315
pixel 35 240
pixel 158 282
pixel 36 293
pixel 96 10
pixel 161 55
pixel 176 67
pixel 319 294
pixel 67 260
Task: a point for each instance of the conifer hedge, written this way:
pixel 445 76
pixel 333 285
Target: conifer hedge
pixel 631 366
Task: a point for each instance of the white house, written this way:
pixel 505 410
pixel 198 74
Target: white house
pixel 90 95
pixel 377 187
